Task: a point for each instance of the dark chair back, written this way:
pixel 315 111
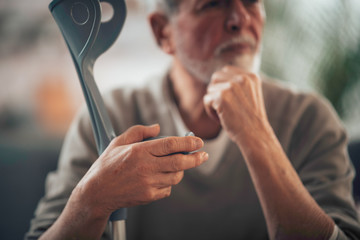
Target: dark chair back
pixel 22 173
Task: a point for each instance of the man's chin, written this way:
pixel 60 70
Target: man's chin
pixel 203 71
pixel 248 63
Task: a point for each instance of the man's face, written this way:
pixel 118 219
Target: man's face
pixel 209 34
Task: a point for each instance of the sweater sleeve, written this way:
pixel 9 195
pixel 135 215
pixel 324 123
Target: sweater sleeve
pixel 77 155
pixel 319 154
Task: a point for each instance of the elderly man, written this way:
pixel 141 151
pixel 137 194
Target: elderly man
pixel 277 164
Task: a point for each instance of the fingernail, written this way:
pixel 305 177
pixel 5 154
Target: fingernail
pixel 199 143
pixel 205 156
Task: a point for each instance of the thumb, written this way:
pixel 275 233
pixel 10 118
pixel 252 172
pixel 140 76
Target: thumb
pixel 137 134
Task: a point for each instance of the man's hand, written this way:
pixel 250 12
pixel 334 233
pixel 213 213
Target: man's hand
pixel 234 98
pixel 131 172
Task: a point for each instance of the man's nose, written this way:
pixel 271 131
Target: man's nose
pixel 238 17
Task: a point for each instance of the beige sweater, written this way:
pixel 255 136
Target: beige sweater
pixel 224 204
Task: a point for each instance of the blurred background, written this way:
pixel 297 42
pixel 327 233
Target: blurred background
pixel 313 45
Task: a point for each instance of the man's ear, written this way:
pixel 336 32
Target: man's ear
pixel 160 26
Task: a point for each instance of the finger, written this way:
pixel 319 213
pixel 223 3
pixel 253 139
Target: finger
pixel 137 134
pixel 171 145
pixel 222 79
pixel 168 179
pixel 154 194
pixel 239 74
pixel 253 90
pixel 234 70
pixel 218 87
pixel 162 193
pixel 250 91
pixel 258 88
pixel 220 76
pixel 181 162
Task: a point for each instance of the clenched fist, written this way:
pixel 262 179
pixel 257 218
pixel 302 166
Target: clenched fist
pixel 234 97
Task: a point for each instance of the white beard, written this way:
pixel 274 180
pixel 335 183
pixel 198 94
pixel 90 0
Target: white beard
pixel 203 70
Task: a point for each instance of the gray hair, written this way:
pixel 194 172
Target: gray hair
pixel 165 6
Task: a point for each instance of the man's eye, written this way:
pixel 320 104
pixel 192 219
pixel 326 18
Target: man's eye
pixel 211 4
pixel 251 1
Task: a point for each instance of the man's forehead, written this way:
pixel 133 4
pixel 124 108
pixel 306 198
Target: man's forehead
pixel 188 2
pixel 193 3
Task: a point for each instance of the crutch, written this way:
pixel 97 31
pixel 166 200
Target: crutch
pixel 87 38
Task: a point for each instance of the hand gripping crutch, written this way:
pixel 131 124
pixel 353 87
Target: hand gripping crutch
pixel 87 38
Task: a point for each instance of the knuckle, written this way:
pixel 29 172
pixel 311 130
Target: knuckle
pixel 117 141
pixel 137 135
pixel 136 148
pixel 169 144
pixel 192 145
pixel 132 150
pixel 178 177
pixel 175 165
pixel 234 87
pixel 225 97
pixel 197 160
pixel 147 182
pixel 254 77
pixel 223 94
pixel 149 194
pixel 135 128
pixel 246 79
pixel 227 68
pixel 167 192
pixel 233 84
pixel 134 133
pixel 215 76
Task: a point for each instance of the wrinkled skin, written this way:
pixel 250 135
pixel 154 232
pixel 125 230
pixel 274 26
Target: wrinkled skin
pixel 129 173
